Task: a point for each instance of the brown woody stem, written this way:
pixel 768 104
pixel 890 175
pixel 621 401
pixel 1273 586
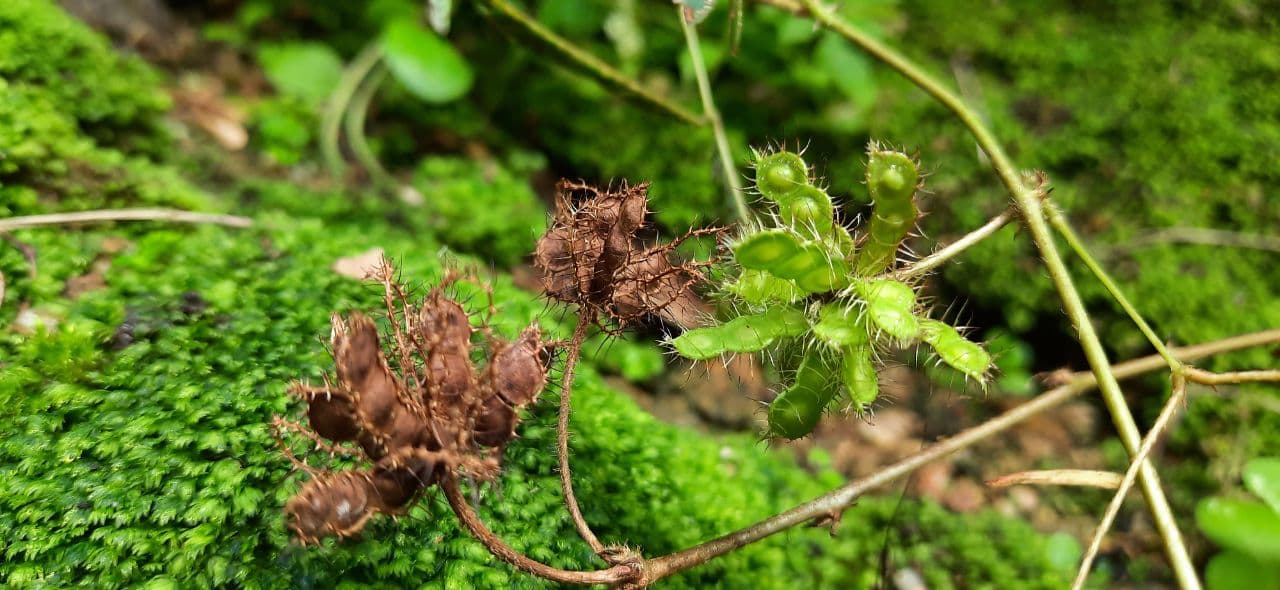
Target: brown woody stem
pixel 562 434
pixel 615 575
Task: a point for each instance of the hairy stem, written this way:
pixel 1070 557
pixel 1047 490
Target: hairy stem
pixel 1028 201
pixel 592 65
pixel 841 497
pixel 1063 227
pixel 954 249
pixel 1176 398
pixel 331 117
pixel 105 215
pixel 615 575
pixel 562 435
pixel 712 114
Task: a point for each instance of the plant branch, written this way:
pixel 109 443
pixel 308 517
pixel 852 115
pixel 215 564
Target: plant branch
pixel 105 215
pixel 1063 227
pixel 1176 397
pixel 1028 201
pixel 587 62
pixel 336 106
pixel 932 261
pixel 841 497
pixel 712 114
pixel 562 435
pixel 617 574
pixel 1106 480
pixel 1202 236
pixel 1208 378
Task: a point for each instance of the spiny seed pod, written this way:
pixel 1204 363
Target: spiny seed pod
pixel 590 257
pixel 961 354
pixel 890 307
pixel 795 412
pixel 433 418
pixel 780 174
pixel 758 287
pixel 784 255
pixel 892 179
pixel 840 325
pixel 745 333
pixel 859 376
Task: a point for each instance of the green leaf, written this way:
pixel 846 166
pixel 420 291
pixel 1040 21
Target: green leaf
pixel 1251 527
pixel 1063 551
pixel 425 64
pixel 1234 570
pixel 1262 477
pixel 306 70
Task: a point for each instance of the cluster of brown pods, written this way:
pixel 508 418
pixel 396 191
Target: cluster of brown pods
pixel 591 256
pixel 436 415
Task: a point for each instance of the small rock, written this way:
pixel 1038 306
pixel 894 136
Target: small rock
pixel 909 579
pixel 360 266
pixel 964 495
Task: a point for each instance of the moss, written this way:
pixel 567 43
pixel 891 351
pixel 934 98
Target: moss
pixel 481 208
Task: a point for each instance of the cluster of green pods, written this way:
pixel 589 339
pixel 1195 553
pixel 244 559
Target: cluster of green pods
pixel 806 285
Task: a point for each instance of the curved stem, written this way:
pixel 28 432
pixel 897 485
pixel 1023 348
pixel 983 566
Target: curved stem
pixel 331 117
pixel 712 114
pixel 615 575
pixel 954 249
pixel 1059 223
pixel 1028 201
pixel 587 62
pixel 660 567
pixel 562 435
pixel 354 124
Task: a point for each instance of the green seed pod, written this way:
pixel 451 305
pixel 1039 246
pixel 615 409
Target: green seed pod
pixel 840 325
pixel 808 207
pixel 782 253
pixel 795 412
pixel 859 376
pixel 758 287
pixel 892 178
pixel 957 351
pixel 747 333
pixel 890 307
pixel 778 175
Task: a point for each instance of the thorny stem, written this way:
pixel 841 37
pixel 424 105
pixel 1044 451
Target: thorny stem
pixel 331 118
pixel 615 575
pixel 562 435
pixel 589 63
pixel 1028 201
pixel 953 249
pixel 1176 397
pixel 841 497
pixel 105 215
pixel 1063 227
pixel 712 114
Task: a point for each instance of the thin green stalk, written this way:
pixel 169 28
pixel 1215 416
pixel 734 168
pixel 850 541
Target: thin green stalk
pixel 354 125
pixel 1060 223
pixel 587 62
pixel 331 117
pixel 1028 201
pixel 712 114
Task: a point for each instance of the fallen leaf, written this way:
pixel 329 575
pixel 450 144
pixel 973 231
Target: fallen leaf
pixel 360 266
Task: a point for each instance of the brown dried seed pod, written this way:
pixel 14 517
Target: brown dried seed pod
pixel 364 371
pixel 336 504
pixel 647 285
pixel 332 414
pixel 395 487
pixel 496 424
pixel 518 372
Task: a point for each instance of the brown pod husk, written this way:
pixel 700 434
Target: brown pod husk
pixel 332 415
pixel 395 487
pixel 363 370
pixel 518 373
pixel 496 424
pixel 337 504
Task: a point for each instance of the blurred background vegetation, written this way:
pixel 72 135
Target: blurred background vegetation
pixel 140 364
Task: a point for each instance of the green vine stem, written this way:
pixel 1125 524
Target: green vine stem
pixel 1028 201
pixel 1063 227
pixel 336 107
pixel 587 62
pixel 712 115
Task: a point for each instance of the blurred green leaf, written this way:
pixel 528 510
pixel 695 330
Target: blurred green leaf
pixel 1251 527
pixel 1262 477
pixel 1233 570
pixel 425 64
pixel 308 71
pixel 1063 551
